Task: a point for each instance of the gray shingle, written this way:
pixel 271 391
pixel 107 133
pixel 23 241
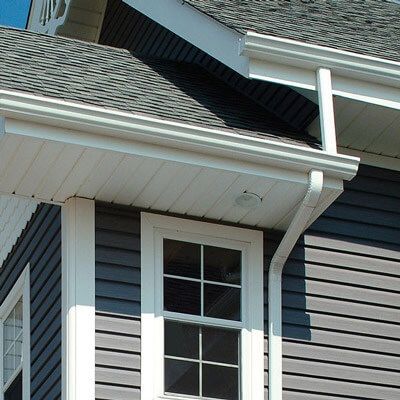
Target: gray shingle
pixel 113 78
pixel 370 27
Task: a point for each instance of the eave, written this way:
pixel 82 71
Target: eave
pixel 289 62
pixel 276 59
pixel 42 131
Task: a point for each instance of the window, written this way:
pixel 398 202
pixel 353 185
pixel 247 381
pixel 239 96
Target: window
pixel 14 343
pixel 202 310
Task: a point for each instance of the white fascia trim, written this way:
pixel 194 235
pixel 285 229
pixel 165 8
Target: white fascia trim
pixel 292 62
pixel 210 36
pixel 160 138
pixel 78 299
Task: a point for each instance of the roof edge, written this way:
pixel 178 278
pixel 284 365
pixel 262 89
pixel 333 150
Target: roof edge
pixel 106 123
pixel 268 54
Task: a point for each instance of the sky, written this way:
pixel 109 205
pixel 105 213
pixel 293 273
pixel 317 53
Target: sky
pixel 14 12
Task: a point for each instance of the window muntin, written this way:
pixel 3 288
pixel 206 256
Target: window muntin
pixel 12 343
pixel 202 280
pixel 201 360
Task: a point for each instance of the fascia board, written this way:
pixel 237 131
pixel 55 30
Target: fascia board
pixel 212 37
pixel 294 63
pixel 90 125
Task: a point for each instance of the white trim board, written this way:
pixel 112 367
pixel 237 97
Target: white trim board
pixel 153 229
pixel 97 127
pixel 78 300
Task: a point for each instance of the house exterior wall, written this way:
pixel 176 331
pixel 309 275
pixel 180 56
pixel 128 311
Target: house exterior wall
pixel 117 303
pixel 40 246
pixel 340 298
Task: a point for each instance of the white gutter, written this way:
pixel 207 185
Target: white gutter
pixel 119 131
pixel 291 62
pixel 297 226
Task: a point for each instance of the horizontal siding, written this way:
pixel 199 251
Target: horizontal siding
pixel 341 297
pixel 40 245
pixel 117 303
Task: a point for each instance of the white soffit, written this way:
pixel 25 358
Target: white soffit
pixel 15 212
pixel 56 150
pixel 369 130
pixel 53 171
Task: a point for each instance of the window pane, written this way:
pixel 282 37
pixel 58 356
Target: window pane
pixel 182 296
pixel 12 341
pixel 220 382
pixel 222 302
pixel 8 329
pixel 14 392
pixel 220 345
pixel 222 265
pixel 181 377
pixel 18 318
pixel 181 340
pixel 8 362
pixel 182 259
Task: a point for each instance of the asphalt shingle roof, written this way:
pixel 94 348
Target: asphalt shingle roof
pixel 370 27
pixel 113 78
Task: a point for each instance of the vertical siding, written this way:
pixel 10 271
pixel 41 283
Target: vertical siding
pixel 117 303
pixel 40 245
pixel 341 297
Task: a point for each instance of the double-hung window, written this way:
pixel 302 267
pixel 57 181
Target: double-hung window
pixel 202 310
pixel 14 341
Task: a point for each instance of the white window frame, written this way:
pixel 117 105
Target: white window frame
pixel 153 229
pixel 21 289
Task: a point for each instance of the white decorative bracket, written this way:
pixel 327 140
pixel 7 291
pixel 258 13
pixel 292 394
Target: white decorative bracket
pixel 48 15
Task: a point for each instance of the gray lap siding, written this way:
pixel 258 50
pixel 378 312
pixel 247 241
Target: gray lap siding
pixel 341 292
pixel 40 245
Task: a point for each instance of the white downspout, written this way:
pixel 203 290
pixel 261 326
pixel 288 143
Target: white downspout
pixel 297 226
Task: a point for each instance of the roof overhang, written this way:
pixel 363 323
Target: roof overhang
pixel 290 62
pixel 52 150
pixel 276 59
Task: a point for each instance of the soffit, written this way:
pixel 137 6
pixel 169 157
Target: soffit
pixel 51 171
pixel 365 127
